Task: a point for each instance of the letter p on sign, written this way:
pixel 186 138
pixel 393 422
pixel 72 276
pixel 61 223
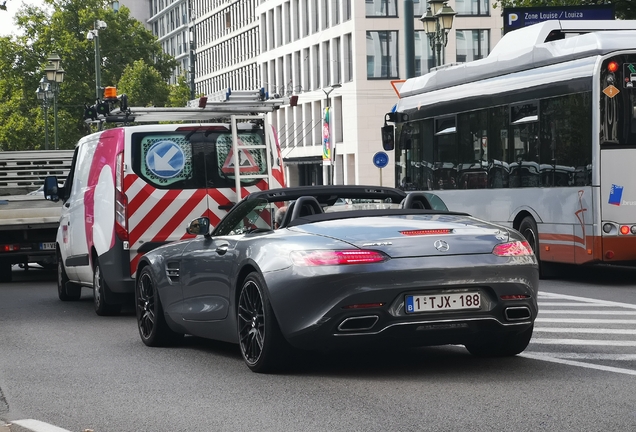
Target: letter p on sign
pixel 512 18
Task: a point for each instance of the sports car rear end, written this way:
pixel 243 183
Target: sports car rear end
pixel 411 280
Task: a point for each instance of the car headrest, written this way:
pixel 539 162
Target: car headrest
pixel 305 206
pixel 416 200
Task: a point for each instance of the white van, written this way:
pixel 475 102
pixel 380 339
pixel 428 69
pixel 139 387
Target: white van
pixel 132 189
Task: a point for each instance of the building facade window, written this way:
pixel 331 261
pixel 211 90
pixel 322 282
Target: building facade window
pixel 382 55
pixel 472 44
pixel 472 7
pixel 380 8
pixel 424 59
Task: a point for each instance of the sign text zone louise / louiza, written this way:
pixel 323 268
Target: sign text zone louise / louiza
pixel 515 18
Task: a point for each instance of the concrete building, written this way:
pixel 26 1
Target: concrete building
pixel 341 54
pixel 169 20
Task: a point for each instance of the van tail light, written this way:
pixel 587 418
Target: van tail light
pixel 336 257
pixel 121 202
pixel 516 248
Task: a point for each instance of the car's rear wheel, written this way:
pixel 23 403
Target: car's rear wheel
pixel 263 346
pixel 151 322
pixel 101 292
pixel 6 274
pixel 66 291
pixel 528 228
pixel 506 347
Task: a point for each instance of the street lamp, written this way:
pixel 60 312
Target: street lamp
pixel 44 94
pixel 93 35
pixel 328 146
pixel 55 77
pixel 438 20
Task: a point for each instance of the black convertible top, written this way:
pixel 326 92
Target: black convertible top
pixel 329 194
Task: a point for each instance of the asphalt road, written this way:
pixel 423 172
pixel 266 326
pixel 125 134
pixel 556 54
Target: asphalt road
pixel 62 364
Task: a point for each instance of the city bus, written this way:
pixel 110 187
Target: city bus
pixel 540 136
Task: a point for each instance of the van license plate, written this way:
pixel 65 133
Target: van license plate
pixel 439 302
pixel 47 246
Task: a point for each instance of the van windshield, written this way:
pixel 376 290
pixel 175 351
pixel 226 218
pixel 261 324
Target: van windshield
pixel 196 158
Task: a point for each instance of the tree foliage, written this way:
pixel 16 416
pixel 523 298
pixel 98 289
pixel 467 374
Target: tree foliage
pixel 623 9
pixel 180 92
pixel 61 26
pixel 143 85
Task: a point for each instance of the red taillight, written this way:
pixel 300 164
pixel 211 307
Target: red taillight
pixel 10 248
pixel 336 257
pixel 121 202
pixel 426 232
pixel 515 297
pixel 625 230
pixel 517 248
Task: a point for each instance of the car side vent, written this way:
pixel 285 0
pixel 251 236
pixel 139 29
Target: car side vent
pixel 172 271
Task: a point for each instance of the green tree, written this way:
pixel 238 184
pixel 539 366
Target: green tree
pixel 624 9
pixel 179 92
pixel 143 85
pixel 61 26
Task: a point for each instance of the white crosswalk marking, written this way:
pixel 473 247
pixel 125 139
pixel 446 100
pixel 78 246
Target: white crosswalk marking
pixel 597 334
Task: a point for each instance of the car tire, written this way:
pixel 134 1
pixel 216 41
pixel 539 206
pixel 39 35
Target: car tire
pixel 6 271
pixel 261 341
pixel 506 347
pixel 66 291
pixel 528 228
pixel 151 322
pixel 101 292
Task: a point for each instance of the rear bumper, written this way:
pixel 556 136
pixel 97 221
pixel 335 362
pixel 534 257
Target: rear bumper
pixel 311 303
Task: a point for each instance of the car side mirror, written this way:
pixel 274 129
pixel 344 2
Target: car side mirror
pixel 388 137
pixel 51 189
pixel 199 226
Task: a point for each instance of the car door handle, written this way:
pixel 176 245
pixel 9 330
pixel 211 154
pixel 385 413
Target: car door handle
pixel 222 248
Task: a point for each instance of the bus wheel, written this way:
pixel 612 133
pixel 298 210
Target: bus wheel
pixel 528 228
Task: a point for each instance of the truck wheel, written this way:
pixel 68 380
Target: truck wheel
pixel 101 293
pixel 66 291
pixel 5 271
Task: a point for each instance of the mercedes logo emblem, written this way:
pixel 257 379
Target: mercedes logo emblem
pixel 441 245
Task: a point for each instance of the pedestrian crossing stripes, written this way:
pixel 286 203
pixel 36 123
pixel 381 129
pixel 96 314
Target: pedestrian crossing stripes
pixel 596 334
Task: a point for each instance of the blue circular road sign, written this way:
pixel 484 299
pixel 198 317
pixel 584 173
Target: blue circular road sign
pixel 380 159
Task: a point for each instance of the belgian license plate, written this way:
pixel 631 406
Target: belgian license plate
pixel 47 246
pixel 440 302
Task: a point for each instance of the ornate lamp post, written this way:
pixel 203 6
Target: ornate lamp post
pixel 44 94
pixel 438 20
pixel 55 77
pixel 328 147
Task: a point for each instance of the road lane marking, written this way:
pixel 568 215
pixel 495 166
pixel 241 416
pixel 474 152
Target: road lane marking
pixel 585 321
pixel 584 342
pixel 586 300
pixel 586 312
pixel 588 356
pixel 579 364
pixel 38 426
pixel 572 304
pixel 584 330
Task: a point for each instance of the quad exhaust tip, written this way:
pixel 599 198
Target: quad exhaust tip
pixel 517 313
pixel 359 323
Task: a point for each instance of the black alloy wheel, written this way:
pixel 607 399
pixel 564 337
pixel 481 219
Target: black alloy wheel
pixel 262 344
pixel 66 291
pixel 502 347
pixel 151 322
pixel 528 228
